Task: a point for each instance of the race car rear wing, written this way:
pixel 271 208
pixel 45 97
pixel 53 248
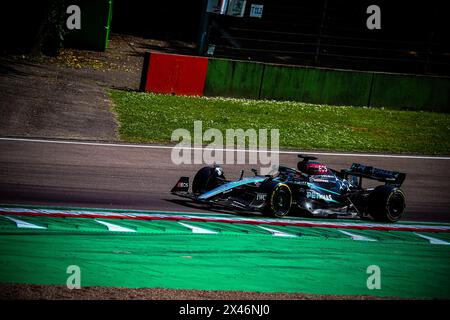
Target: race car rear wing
pixel 392 178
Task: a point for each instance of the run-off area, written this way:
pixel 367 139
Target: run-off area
pixel 212 255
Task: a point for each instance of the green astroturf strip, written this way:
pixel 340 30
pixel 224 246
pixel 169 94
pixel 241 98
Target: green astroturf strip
pixel 77 225
pixel 227 262
pixel 239 257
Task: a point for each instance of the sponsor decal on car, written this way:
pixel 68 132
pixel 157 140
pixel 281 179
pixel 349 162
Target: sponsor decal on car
pixel 318 196
pixel 301 183
pixel 319 180
pixel 183 185
pixel 261 196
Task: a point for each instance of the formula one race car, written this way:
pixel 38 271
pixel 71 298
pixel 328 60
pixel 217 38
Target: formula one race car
pixel 312 189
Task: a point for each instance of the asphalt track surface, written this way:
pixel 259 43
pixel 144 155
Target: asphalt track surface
pixel 117 176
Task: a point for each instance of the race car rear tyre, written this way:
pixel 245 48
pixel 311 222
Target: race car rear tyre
pixel 207 178
pixel 386 204
pixel 279 201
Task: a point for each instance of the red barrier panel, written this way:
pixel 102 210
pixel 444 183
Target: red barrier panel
pixel 175 74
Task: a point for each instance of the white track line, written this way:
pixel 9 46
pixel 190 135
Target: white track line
pixel 277 233
pixel 24 224
pixel 197 229
pixel 356 236
pixel 119 145
pixel 432 240
pixel 114 227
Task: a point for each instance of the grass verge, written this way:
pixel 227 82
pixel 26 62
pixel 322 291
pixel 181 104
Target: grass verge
pixel 146 117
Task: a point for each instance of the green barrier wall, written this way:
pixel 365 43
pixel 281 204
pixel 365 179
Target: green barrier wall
pixel 230 78
pixel 315 85
pixel 411 92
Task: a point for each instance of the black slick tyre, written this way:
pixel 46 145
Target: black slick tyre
pixel 386 204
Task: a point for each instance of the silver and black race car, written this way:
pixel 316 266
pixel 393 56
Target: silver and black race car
pixel 312 189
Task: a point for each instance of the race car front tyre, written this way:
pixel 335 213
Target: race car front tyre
pixel 279 201
pixel 386 203
pixel 207 178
